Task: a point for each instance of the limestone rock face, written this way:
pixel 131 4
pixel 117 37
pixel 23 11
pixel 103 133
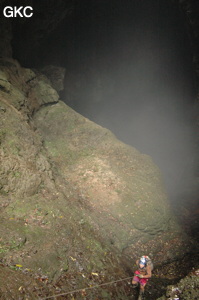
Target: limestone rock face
pixel 23 168
pixel 121 187
pixel 186 289
pixel 56 76
pixel 72 197
pixel 23 165
pixel 24 89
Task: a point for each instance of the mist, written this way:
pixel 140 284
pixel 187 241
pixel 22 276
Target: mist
pixel 134 75
pixel 156 123
pixel 129 67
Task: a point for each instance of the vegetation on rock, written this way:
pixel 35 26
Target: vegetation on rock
pixel 74 201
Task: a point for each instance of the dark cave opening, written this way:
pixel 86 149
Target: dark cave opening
pixel 129 68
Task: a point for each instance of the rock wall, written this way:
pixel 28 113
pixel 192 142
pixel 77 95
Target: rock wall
pixel 70 187
pixel 186 289
pixel 48 151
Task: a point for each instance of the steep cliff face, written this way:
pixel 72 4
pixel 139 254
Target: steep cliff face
pixel 77 206
pixel 70 191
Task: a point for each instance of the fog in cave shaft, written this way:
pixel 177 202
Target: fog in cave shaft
pixel 129 69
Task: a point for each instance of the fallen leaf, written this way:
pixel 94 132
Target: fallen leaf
pixel 73 259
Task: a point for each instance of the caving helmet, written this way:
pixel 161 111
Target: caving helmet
pixel 143 261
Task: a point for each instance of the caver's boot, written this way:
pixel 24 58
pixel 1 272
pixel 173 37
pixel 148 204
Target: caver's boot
pixel 141 295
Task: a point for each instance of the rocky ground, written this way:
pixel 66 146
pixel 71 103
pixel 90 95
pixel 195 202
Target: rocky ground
pixel 21 283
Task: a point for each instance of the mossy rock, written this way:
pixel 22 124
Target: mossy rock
pixel 186 289
pixel 120 185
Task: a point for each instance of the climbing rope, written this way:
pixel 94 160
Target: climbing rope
pixel 87 288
